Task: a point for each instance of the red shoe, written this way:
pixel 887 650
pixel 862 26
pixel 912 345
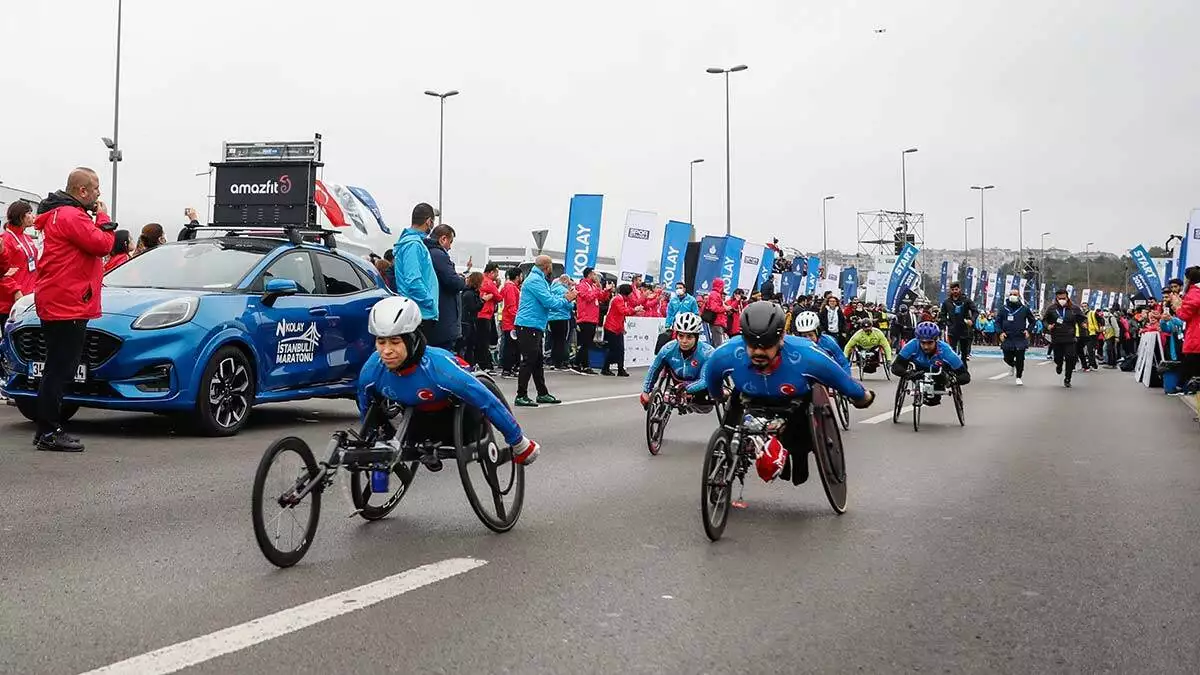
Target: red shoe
pixel 525 452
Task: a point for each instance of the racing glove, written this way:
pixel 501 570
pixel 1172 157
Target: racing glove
pixel 866 401
pixel 644 398
pixel 525 451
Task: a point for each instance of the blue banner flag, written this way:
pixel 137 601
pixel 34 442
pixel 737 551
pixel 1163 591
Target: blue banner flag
pixel 583 233
pixel 903 261
pixel 369 202
pixel 789 286
pixel 767 268
pixel 1145 267
pixel 799 265
pixel 998 291
pixel 1031 295
pixel 1139 282
pixel 731 262
pixel 671 264
pixel 978 298
pixel 708 264
pixel 968 287
pixel 943 291
pixel 910 280
pixel 813 277
pixel 849 283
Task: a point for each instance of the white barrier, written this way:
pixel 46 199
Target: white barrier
pixel 1148 354
pixel 640 335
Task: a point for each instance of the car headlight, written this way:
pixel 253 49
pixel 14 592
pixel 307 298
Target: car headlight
pixel 21 306
pixel 167 314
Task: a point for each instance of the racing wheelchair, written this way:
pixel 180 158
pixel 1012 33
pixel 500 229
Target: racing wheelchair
pixel 870 361
pixel 921 384
pixel 289 482
pixel 668 396
pixel 732 448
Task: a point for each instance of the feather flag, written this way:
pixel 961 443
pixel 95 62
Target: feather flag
pixel 369 201
pixel 329 205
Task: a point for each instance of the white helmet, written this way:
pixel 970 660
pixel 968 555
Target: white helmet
pixel 807 322
pixel 687 322
pixel 394 316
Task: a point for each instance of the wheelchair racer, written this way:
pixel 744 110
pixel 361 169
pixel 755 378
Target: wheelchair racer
pixel 870 340
pixel 684 356
pixel 405 370
pixel 807 325
pixel 928 352
pixel 767 365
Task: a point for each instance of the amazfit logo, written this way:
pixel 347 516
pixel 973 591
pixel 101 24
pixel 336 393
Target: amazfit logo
pixel 269 187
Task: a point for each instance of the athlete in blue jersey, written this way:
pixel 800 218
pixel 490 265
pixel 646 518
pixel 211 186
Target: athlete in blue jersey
pixel 403 369
pixel 929 352
pixel 766 365
pixel 683 357
pixel 807 325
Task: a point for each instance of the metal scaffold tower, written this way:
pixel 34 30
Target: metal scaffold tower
pixel 883 233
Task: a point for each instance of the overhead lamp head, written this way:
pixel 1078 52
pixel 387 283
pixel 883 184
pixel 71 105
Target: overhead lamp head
pixel 910 150
pixel 697 161
pixel 715 71
pixel 738 69
pixel 452 92
pixel 108 142
pixel 430 92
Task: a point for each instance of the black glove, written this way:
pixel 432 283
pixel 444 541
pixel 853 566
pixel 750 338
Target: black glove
pixel 110 226
pixel 963 376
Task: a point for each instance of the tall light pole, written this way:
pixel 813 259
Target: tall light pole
pixel 441 135
pixel 692 192
pixel 966 221
pixel 904 189
pixel 728 190
pixel 1021 242
pixel 114 149
pixel 982 189
pixel 1042 274
pixel 824 227
pixel 1087 261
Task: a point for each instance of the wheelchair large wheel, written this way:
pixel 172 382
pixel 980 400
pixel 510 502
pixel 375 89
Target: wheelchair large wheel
pixel 901 393
pixel 858 363
pixel 724 405
pixel 917 405
pixel 373 505
pixel 657 414
pixel 843 410
pixel 956 394
pixel 284 526
pixel 494 483
pixel 716 484
pixel 887 371
pixel 827 443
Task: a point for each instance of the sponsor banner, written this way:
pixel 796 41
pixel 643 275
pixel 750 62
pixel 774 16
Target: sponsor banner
pixel 799 265
pixel 708 264
pixel 814 275
pixel 903 261
pixel 910 280
pixel 731 259
pixel 1145 267
pixel 1139 282
pixel 671 263
pixel 981 299
pixel 1070 291
pixel 968 286
pixel 751 265
pixel 1010 282
pixel 1085 296
pixel 641 333
pixel 1033 296
pixel 1022 288
pixel 944 289
pixel 767 269
pixel 636 244
pixel 885 263
pixel 831 282
pixel 583 233
pixel 954 270
pixel 997 291
pixel 267 185
pixel 849 283
pixel 789 284
pixel 876 281
pixel 369 202
pixel 1163 267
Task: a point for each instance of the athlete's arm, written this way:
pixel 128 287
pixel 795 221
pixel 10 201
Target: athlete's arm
pixel 887 346
pixel 947 355
pixel 830 346
pixel 451 378
pixel 825 370
pixel 367 378
pixel 712 374
pixel 852 343
pixel 655 366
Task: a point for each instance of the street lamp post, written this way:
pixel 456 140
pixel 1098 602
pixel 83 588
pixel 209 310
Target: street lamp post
pixel 982 189
pixel 1087 261
pixel 692 192
pixel 114 150
pixel 904 189
pixel 728 183
pixel 1021 241
pixel 966 221
pixel 441 135
pixel 824 227
pixel 1042 274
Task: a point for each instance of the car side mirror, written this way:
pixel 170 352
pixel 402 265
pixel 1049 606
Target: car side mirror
pixel 278 288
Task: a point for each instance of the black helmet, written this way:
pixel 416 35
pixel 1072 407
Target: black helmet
pixel 763 324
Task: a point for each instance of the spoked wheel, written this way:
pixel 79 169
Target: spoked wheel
pixel 657 414
pixel 956 393
pixel 494 483
pixel 843 410
pixel 887 371
pixel 284 525
pixel 917 405
pixel 858 363
pixel 901 393
pixel 372 505
pixel 831 460
pixel 723 406
pixel 716 488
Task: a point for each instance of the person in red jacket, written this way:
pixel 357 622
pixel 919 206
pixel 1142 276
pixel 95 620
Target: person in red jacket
pixel 614 330
pixel 18 258
pixel 587 317
pixel 122 247
pixel 736 304
pixel 67 292
pixel 485 322
pixel 714 307
pixel 1187 308
pixel 510 295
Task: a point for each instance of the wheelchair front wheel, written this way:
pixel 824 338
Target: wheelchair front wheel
pixel 284 525
pixel 494 483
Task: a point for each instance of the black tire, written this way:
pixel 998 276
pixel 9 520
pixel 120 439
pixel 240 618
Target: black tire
pixel 956 393
pixel 28 409
pixel 225 394
pixel 901 394
pixel 827 444
pixel 501 476
pixel 887 370
pixel 657 414
pixel 280 486
pixel 917 405
pixel 858 363
pixel 843 411
pixel 716 484
pixel 361 493
pixel 724 405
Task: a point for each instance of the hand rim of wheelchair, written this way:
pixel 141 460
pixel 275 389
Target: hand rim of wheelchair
pixel 491 463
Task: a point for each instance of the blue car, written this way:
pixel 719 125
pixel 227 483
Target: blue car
pixel 208 328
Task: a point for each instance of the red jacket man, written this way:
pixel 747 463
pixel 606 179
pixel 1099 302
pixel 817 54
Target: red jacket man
pixel 488 288
pixel 510 295
pixel 618 310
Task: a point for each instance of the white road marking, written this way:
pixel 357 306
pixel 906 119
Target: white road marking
pixel 235 638
pixel 885 416
pixel 590 400
pixel 1001 376
pixel 1044 363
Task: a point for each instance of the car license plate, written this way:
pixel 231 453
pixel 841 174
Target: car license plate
pixel 36 368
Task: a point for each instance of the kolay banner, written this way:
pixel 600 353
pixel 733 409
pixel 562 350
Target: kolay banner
pixel 708 264
pixel 789 283
pixel 943 289
pixel 671 263
pixel 968 286
pixel 903 261
pixel 636 244
pixel 1145 267
pixel 731 259
pixel 767 268
pixel 814 275
pixel 751 265
pixel 583 233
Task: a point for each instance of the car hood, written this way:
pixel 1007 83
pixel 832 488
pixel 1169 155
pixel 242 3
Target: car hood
pixel 133 302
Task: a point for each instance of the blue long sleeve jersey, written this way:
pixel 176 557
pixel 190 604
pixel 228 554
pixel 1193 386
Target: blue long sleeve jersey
pixel 432 381
pixel 800 360
pixel 685 368
pixel 912 353
pixel 827 344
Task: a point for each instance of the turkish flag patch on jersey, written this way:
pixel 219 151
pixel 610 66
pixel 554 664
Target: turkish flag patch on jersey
pixel 787 389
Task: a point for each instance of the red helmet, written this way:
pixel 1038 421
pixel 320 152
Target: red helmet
pixel 771 460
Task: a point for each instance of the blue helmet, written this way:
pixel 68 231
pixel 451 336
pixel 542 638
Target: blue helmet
pixel 928 330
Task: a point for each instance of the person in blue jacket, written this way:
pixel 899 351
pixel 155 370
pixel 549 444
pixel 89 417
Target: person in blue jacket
pixel 679 302
pixel 767 365
pixel 533 313
pixel 405 370
pixel 444 330
pixel 684 357
pixel 929 352
pixel 415 278
pixel 560 323
pixel 1015 321
pixel 808 325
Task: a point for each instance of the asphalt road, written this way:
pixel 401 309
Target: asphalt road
pixel 1059 531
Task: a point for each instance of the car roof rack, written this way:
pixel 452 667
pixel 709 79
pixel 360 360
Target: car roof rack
pixel 296 234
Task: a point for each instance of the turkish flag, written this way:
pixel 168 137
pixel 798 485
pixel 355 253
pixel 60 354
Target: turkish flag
pixel 330 206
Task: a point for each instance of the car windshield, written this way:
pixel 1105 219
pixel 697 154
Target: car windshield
pixel 206 264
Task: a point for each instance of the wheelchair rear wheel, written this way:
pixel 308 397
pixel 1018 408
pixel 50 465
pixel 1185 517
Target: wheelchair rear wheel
pixel 657 414
pixel 827 442
pixel 843 410
pixel 494 483
pixel 716 486
pixel 901 393
pixel 956 393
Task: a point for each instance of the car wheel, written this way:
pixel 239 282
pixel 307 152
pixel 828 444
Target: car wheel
pixel 225 394
pixel 28 408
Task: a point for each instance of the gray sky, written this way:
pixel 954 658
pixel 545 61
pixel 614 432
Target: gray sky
pixel 1085 112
